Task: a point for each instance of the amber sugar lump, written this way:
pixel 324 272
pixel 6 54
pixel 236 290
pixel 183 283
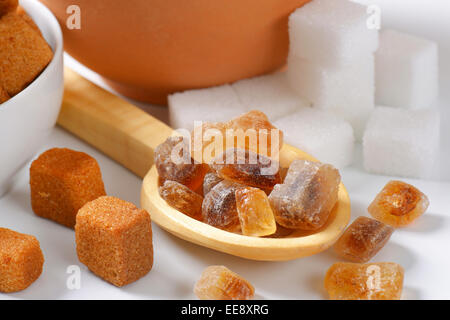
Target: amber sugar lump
pixel 398 204
pixel 266 140
pixel 220 283
pixel 173 162
pixel 363 239
pixel 248 168
pixel 307 196
pixel 250 131
pixel 114 240
pixel 210 180
pixel 373 281
pixel 182 198
pixel 21 260
pixel 219 206
pixel 254 211
pixel 61 182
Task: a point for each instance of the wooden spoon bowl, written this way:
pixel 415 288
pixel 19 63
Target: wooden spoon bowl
pixel 296 245
pixel 129 136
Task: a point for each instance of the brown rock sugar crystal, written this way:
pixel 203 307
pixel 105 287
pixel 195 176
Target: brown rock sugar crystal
pixel 248 168
pixel 373 281
pixel 182 198
pixel 173 162
pixel 398 204
pixel 307 196
pixel 250 131
pixel 220 283
pixel 254 211
pixel 211 179
pixel 363 239
pixel 219 206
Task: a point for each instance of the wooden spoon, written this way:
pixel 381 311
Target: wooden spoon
pixel 129 135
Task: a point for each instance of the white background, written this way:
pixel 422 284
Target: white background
pixel 422 249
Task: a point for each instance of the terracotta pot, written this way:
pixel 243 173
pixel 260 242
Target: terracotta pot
pixel 147 49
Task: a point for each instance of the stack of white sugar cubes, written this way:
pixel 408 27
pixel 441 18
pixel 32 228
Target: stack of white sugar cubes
pixel 338 69
pixel 325 136
pixel 402 138
pixel 270 94
pixel 331 59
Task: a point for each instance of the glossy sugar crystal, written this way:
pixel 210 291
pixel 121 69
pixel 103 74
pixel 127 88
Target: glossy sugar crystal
pixel 220 283
pixel 248 168
pixel 173 162
pixel 255 214
pixel 307 195
pixel 355 281
pixel 398 204
pixel 182 198
pixel 219 206
pixel 210 181
pixel 363 239
pixel 251 131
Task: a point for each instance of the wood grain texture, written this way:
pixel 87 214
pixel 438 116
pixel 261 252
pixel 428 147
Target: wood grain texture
pixel 112 125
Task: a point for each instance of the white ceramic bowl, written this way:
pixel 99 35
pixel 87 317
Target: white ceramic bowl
pixel 28 118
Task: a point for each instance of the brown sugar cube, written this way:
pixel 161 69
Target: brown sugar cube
pixel 363 239
pixel 24 15
pixel 356 281
pixel 114 240
pixel 21 260
pixel 398 204
pixel 4 96
pixel 61 182
pixel 7 6
pixel 23 53
pixel 182 198
pixel 220 283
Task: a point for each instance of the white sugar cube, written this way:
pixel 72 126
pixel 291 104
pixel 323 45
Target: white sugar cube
pixel 406 71
pixel 321 134
pixel 402 142
pixel 216 104
pixel 348 92
pixel 270 94
pixel 331 32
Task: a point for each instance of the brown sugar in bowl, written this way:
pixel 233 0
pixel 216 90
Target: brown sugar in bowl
pixel 146 49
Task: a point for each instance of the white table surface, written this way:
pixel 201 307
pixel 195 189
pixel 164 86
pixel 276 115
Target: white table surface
pixel 421 249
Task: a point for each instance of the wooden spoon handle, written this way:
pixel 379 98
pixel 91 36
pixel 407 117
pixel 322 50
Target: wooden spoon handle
pixel 112 125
